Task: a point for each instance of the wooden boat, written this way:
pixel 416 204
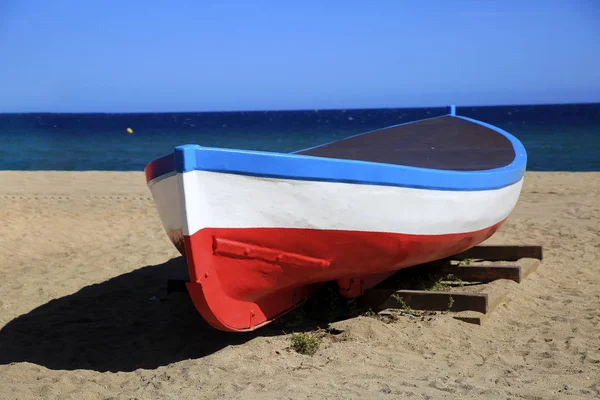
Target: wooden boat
pixel 261 230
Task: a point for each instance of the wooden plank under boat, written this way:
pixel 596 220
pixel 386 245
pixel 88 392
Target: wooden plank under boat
pixel 260 231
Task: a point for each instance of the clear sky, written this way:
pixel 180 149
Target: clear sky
pixel 196 55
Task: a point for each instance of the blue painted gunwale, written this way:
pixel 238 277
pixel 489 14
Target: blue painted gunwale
pixel 188 158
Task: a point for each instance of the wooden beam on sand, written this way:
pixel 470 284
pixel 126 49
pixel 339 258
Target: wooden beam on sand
pixel 496 292
pixel 485 273
pixel 489 273
pixel 381 299
pixel 471 307
pixel 500 253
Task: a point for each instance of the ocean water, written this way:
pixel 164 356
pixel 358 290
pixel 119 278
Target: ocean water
pixel 557 137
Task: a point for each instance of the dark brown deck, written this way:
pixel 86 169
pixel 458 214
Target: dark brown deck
pixel 446 143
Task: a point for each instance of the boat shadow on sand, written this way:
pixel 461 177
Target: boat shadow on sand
pixel 122 324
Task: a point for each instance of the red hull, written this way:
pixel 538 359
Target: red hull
pixel 241 279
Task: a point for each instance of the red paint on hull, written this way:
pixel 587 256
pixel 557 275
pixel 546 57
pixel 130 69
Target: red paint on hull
pixel 241 279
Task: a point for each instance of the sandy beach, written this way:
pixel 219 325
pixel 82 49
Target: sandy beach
pixel 84 312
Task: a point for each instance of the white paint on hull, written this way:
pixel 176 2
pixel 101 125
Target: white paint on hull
pixel 220 200
pixel 167 197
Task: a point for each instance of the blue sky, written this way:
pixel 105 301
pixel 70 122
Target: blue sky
pixel 194 55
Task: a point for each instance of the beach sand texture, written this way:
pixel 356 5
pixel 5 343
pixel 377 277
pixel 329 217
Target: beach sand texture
pixel 83 312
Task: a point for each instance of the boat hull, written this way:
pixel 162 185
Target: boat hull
pixel 258 247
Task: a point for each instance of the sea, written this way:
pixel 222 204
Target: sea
pixel 562 137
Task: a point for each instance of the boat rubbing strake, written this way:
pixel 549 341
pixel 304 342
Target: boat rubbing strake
pixel 260 231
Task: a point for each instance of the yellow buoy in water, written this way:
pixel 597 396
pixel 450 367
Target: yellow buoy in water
pixel 129 130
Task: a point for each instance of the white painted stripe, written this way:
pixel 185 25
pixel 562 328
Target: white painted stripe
pixel 220 200
pixel 167 196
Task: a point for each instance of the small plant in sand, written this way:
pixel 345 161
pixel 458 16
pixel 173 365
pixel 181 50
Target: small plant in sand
pixel 370 313
pixel 454 280
pixel 440 285
pixel 332 330
pixel 434 284
pixel 406 309
pixel 459 282
pixel 305 343
pixel 450 302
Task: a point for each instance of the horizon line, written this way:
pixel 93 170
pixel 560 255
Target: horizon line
pixel 306 109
